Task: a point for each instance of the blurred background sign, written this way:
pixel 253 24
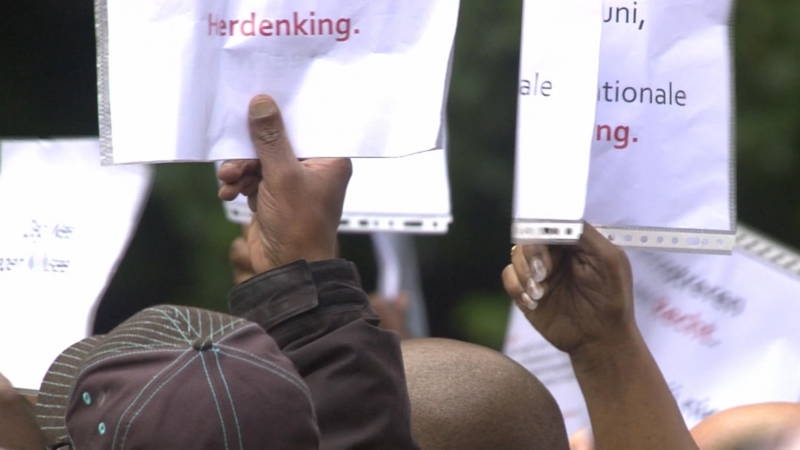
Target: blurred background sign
pixel 66 225
pixel 722 328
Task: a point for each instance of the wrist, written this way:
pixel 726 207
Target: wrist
pixel 614 350
pixel 269 257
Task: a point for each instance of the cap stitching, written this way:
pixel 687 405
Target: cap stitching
pixel 151 329
pixel 237 331
pixel 230 400
pixel 117 353
pixel 216 401
pixel 127 345
pixel 280 372
pixel 267 362
pixel 176 324
pixel 146 401
pixel 63 364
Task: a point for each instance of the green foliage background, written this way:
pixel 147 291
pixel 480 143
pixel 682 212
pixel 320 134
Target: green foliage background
pixel 179 254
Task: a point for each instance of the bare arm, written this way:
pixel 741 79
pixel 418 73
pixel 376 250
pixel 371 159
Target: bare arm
pixel 580 299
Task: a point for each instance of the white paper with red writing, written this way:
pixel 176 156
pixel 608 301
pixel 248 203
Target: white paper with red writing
pixel 661 168
pixel 352 77
pixel 559 55
pixel 721 327
pixel 66 223
pixel 662 173
pixel 410 194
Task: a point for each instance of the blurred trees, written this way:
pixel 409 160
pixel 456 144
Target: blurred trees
pixel 179 255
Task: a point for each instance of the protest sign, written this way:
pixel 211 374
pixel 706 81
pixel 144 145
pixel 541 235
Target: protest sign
pixel 66 224
pixel 721 328
pixel 352 77
pixel 559 54
pixel 410 194
pixel 661 174
pixel 661 168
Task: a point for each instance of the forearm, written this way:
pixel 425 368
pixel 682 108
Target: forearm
pixel 629 402
pixel 320 317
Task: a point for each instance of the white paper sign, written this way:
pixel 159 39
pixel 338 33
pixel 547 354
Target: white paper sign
pixel 559 55
pixel 66 224
pixel 661 173
pixel 352 77
pixel 661 169
pixel 721 327
pixel 408 195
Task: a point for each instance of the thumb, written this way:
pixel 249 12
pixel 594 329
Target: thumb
pixel 594 243
pixel 269 137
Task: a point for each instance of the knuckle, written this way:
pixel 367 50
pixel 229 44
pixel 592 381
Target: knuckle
pixel 268 134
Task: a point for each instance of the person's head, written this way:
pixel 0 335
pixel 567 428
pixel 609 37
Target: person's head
pixel 759 426
pixel 175 377
pixel 465 396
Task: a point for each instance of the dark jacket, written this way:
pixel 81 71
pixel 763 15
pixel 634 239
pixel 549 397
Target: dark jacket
pixel 321 319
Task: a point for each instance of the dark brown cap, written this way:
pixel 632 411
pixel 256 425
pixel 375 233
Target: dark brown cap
pixel 174 377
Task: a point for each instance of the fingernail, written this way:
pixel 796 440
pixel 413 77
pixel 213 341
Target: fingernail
pixel 538 270
pixel 530 304
pixel 262 108
pixel 534 290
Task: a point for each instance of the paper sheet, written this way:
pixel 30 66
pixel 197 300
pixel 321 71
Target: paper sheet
pixel 352 77
pixel 721 327
pixel 409 195
pixel 559 56
pixel 66 224
pixel 661 168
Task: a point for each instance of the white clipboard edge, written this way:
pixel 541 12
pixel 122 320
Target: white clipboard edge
pixel 526 231
pixel 239 212
pixel 398 223
pixel 677 239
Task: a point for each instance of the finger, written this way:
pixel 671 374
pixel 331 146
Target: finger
pixel 335 171
pixel 269 137
pixel 247 186
pixel 533 261
pixel 514 289
pixel 600 250
pixel 341 168
pixel 592 241
pixel 234 169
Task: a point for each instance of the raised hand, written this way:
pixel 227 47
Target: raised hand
pixel 297 205
pixel 574 295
